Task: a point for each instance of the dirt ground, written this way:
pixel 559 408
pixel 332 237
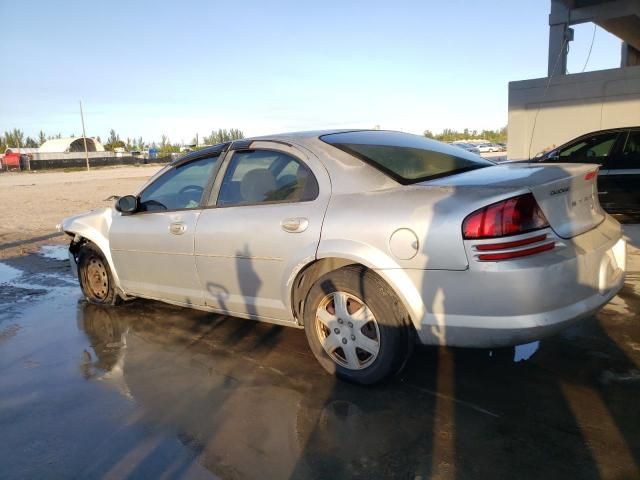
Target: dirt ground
pixel 33 203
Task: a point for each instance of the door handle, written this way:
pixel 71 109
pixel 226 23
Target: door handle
pixel 177 228
pixel 295 225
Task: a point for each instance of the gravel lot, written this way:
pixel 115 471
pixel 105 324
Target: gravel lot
pixel 32 204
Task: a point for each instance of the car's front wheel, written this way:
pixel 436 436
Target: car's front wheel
pixel 94 274
pixel 356 326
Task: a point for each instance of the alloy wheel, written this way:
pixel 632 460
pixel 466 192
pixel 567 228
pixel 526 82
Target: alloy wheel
pixel 347 330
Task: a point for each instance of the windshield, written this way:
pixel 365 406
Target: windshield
pixel 406 158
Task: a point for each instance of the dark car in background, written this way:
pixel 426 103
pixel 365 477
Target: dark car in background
pixel 617 151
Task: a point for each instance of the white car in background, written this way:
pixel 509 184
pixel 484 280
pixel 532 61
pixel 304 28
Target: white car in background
pixel 467 146
pixel 489 147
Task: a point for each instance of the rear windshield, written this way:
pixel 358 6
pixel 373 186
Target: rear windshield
pixel 405 157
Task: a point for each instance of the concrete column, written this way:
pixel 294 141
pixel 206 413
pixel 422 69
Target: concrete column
pixel 558 32
pixel 557 48
pixel 630 56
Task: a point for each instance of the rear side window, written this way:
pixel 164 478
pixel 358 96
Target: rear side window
pixel 589 149
pixel 406 158
pixel 265 176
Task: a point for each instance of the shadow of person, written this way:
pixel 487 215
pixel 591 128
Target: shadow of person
pixel 248 280
pixel 220 293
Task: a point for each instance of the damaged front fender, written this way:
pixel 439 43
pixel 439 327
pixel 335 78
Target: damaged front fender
pixel 91 226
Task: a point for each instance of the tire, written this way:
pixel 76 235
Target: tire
pixel 96 279
pixel 373 337
pixel 105 329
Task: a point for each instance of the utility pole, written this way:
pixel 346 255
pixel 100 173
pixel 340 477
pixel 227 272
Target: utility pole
pixel 84 137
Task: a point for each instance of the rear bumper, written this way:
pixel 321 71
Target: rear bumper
pixel 505 303
pixel 470 332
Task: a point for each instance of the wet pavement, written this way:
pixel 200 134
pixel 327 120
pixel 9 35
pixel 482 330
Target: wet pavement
pixel 148 390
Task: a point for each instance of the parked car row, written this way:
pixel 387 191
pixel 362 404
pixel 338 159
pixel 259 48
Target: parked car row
pixel 492 147
pixel 467 146
pixel 481 147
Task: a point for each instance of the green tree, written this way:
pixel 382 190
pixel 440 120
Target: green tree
pixel 166 147
pixel 41 138
pixel 450 135
pixel 223 135
pixel 113 141
pixel 14 138
pixel 30 143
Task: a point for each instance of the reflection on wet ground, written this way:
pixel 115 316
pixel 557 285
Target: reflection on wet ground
pixel 55 252
pixel 8 274
pixel 149 389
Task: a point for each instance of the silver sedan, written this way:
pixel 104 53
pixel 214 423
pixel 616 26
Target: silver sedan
pixel 369 240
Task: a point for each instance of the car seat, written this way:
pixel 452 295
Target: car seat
pixel 256 185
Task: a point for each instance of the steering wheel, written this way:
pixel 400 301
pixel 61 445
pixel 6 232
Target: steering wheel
pixel 152 206
pixel 191 188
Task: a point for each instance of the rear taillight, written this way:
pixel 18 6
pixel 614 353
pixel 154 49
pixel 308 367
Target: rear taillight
pixel 591 175
pixel 513 216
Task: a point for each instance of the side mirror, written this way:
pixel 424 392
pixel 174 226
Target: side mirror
pixel 127 204
pixel 552 156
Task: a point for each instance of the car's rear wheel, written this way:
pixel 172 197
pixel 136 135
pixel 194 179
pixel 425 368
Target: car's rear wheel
pixel 96 280
pixel 356 326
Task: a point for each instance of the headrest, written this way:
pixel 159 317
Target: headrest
pixel 256 184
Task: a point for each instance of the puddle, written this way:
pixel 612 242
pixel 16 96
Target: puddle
pixel 54 252
pixel 8 274
pixel 9 332
pixel 525 351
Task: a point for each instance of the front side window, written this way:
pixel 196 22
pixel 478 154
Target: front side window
pixel 179 188
pixel 406 158
pixel 630 157
pixel 589 149
pixel 265 176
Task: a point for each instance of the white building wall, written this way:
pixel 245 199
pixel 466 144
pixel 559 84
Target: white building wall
pixel 572 106
pixel 70 155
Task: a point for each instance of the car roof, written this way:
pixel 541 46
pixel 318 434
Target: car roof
pixel 300 137
pixel 311 133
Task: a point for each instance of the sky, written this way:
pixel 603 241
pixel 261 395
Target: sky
pixel 147 68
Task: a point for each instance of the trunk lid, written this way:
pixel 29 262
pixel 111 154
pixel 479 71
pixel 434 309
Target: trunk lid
pixel 567 193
